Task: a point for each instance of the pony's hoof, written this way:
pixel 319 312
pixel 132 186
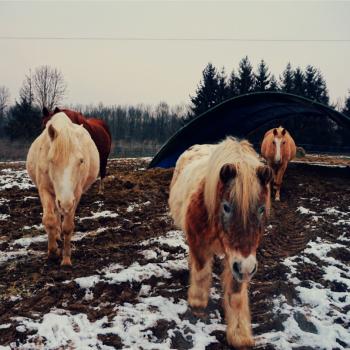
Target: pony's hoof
pixel 241 343
pixel 66 262
pixel 54 255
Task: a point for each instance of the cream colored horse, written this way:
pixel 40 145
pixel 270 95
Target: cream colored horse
pixel 220 197
pixel 278 148
pixel 63 163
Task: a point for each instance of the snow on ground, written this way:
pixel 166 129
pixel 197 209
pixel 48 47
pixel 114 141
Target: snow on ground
pixel 10 178
pixel 317 318
pixel 99 214
pixel 132 322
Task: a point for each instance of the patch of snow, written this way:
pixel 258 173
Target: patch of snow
pixel 303 210
pixel 100 214
pixel 4 217
pixel 27 241
pixel 10 178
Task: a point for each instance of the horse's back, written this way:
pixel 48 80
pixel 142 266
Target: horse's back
pixel 188 175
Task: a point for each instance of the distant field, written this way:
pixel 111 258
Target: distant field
pixel 17 150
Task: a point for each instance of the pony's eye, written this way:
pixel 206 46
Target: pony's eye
pixel 81 161
pixel 261 210
pixel 284 142
pixel 273 142
pixel 227 208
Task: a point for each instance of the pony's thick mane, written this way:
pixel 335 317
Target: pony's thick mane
pixel 63 144
pixel 245 187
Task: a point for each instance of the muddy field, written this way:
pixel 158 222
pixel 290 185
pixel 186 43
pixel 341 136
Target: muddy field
pixel 128 284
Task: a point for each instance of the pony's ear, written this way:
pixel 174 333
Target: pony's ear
pixel 264 174
pixel 284 132
pixel 275 132
pixel 57 110
pixel 46 112
pixel 52 132
pixel 227 172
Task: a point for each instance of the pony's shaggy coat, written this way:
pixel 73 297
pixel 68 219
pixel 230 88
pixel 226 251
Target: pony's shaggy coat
pixel 205 177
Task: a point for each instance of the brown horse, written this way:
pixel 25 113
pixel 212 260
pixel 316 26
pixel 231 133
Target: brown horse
pixel 97 129
pixel 63 163
pixel 220 198
pixel 278 148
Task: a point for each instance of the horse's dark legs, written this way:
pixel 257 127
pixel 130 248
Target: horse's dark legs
pixel 103 165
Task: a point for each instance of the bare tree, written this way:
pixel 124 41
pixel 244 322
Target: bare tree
pixel 4 99
pixel 46 87
pixel 26 92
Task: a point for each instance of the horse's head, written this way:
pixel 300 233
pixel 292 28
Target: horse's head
pixel 279 143
pixel 47 114
pixel 66 162
pixel 244 204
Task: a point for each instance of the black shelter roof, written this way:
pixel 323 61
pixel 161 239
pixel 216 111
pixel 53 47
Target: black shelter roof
pixel 240 116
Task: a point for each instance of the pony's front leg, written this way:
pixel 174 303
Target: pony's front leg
pixel 67 231
pixel 278 181
pixel 237 313
pixel 51 222
pixel 200 279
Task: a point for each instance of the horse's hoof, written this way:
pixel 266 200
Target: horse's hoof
pixel 54 255
pixel 66 262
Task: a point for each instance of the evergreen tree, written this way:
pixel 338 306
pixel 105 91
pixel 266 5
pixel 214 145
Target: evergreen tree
pixel 222 94
pixel 207 92
pixel 346 109
pixel 273 84
pixel 262 77
pixel 24 121
pixel 245 79
pixel 287 79
pixel 232 85
pixel 298 87
pixel 310 82
pixel 321 89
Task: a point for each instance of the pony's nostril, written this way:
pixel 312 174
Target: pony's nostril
pixel 254 270
pixel 236 267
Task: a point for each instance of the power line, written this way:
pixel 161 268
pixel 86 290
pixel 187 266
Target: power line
pixel 90 38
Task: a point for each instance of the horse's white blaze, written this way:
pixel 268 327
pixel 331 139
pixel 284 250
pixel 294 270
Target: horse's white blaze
pixel 278 149
pixel 66 191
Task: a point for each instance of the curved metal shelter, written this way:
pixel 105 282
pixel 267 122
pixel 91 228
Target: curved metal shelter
pixel 241 116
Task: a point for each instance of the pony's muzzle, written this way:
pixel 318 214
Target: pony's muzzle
pixel 244 270
pixel 65 207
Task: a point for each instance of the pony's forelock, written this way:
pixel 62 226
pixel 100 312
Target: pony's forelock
pixel 62 145
pixel 245 188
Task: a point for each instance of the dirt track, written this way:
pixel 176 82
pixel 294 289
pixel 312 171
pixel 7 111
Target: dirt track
pixel 135 206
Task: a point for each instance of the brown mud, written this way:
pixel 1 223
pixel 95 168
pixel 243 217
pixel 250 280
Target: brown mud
pixel 31 286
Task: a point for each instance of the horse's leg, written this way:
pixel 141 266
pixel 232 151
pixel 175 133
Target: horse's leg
pixel 103 165
pixel 51 222
pixel 278 181
pixel 237 313
pixel 67 231
pixel 200 266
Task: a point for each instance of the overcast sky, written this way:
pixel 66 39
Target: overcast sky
pixel 131 72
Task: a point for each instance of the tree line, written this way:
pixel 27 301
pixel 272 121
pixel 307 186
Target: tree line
pixel 45 86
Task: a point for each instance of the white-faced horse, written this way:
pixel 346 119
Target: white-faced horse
pixel 63 162
pixel 220 198
pixel 278 148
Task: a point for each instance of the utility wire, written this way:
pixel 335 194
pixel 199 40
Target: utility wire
pixel 90 38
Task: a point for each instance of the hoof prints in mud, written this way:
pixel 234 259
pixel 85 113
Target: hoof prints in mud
pixel 129 281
